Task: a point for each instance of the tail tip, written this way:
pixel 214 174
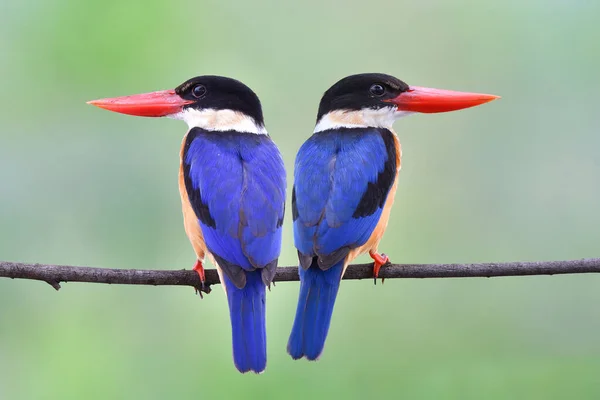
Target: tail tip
pixel 299 353
pixel 257 369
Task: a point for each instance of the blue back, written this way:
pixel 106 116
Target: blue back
pixel 236 184
pixel 341 180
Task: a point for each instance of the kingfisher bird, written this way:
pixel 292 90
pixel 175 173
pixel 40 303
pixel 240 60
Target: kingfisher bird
pixel 232 184
pixel 345 180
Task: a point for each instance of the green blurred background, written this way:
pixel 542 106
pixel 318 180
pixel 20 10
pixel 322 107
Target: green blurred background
pixel 518 179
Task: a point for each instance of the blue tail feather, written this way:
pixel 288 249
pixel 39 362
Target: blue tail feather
pixel 247 312
pixel 318 290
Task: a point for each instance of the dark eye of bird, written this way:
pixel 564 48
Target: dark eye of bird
pixel 198 91
pixel 377 90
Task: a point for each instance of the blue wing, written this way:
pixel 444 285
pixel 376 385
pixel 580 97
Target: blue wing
pixel 236 185
pixel 341 180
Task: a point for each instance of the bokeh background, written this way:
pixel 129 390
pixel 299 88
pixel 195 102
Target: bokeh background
pixel 517 179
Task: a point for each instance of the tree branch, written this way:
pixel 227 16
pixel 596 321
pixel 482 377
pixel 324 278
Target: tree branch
pixel 54 274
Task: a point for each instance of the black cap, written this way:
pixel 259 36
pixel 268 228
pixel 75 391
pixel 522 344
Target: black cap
pixel 356 92
pixel 221 93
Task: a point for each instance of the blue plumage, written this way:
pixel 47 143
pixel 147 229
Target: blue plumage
pixel 236 184
pixel 247 312
pixel 333 171
pixel 341 180
pixel 318 290
pixel 241 178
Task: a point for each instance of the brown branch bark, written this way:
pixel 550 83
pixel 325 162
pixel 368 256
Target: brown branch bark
pixel 55 274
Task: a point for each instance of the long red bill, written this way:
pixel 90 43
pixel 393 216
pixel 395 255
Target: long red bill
pixel 154 104
pixel 428 100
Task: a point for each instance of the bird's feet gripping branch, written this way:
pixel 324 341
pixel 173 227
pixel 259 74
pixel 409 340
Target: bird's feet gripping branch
pixel 199 268
pixel 379 260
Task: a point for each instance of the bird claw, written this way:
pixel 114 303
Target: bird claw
pixel 379 260
pixel 200 271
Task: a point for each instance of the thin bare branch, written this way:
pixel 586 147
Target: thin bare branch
pixel 55 274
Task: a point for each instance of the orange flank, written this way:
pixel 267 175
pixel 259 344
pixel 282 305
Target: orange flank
pixel 371 245
pixel 190 222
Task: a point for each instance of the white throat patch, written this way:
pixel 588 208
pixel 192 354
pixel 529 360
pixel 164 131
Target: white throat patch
pixel 219 120
pixel 365 118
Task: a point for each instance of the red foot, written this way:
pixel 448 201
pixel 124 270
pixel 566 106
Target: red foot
pixel 379 260
pixel 200 270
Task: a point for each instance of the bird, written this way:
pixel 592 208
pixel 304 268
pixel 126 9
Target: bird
pixel 232 183
pixel 345 179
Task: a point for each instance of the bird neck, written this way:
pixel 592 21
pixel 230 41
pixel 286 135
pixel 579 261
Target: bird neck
pixel 364 118
pixel 220 120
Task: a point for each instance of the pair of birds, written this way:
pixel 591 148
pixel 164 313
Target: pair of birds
pixel 232 183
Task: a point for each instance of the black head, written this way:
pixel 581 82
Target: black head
pixel 221 93
pixel 356 92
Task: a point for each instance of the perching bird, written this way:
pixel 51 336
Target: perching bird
pixel 232 186
pixel 345 180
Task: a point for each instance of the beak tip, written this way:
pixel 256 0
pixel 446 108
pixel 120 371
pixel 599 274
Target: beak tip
pixel 491 97
pixel 96 103
pixel 488 98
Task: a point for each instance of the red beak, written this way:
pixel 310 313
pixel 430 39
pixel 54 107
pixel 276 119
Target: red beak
pixel 427 100
pixel 154 104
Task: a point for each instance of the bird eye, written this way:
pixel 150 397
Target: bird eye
pixel 377 90
pixel 198 91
